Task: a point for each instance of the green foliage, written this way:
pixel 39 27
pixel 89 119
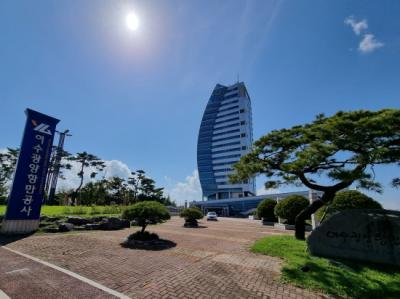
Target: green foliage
pixel 85 160
pixel 352 199
pixel 289 207
pixel 94 193
pixel 146 212
pixel 342 147
pixel 351 280
pixel 349 200
pixel 116 190
pixel 169 202
pixel 193 213
pixel 265 210
pixel 8 161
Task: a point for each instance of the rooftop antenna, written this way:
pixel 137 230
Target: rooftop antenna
pixel 237 77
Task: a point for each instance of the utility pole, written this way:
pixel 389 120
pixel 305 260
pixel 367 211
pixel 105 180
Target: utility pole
pixel 56 168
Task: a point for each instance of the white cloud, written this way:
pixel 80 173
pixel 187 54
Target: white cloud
pixel 357 27
pixel 71 181
pixel 189 190
pixel 113 168
pixel 369 44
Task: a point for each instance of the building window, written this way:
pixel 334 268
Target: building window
pixel 229 102
pixel 226 138
pixel 243 135
pixel 227 120
pixel 225 157
pixel 226 132
pixel 225 127
pixel 229 114
pixel 242 122
pixel 241 110
pixel 244 148
pixel 227 150
pixel 226 144
pixel 227 109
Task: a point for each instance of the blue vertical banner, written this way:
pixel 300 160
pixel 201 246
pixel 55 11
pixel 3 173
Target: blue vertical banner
pixel 27 191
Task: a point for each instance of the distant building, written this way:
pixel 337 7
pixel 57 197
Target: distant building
pixel 225 135
pixel 242 207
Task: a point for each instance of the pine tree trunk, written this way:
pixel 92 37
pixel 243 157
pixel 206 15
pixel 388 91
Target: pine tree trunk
pixel 143 228
pixel 307 212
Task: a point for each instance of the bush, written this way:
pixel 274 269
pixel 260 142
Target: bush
pixel 191 214
pixel 265 210
pixel 146 212
pixel 290 207
pixel 349 200
pixel 352 199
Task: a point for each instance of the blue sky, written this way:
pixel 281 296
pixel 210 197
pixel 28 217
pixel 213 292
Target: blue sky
pixel 138 97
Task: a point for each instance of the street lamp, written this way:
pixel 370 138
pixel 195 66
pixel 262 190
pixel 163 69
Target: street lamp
pixel 56 166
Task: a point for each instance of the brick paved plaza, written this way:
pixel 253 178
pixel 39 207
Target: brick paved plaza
pixel 211 262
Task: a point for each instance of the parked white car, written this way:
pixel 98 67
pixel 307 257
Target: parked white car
pixel 212 216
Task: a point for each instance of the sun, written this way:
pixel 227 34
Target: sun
pixel 132 22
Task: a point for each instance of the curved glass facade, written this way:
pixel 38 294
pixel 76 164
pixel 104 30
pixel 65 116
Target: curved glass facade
pixel 225 135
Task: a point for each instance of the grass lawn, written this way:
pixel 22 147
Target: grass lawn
pixel 347 279
pixel 78 210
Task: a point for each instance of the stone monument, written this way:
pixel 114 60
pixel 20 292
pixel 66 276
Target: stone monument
pixel 367 235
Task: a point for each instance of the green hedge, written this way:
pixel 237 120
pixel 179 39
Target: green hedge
pixel 265 210
pixel 191 213
pixel 289 207
pixel 152 211
pixel 349 200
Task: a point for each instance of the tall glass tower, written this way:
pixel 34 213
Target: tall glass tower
pixel 225 135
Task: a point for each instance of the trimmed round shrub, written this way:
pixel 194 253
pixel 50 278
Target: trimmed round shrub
pixel 265 210
pixel 191 214
pixel 289 207
pixel 349 200
pixel 352 199
pixel 146 212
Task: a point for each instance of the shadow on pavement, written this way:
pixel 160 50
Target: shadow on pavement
pixel 154 245
pixel 7 239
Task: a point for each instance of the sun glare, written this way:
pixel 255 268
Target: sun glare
pixel 132 22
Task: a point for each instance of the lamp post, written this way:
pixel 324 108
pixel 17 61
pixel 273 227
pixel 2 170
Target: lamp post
pixel 56 168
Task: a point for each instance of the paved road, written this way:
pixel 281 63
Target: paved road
pixel 21 277
pixel 209 262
